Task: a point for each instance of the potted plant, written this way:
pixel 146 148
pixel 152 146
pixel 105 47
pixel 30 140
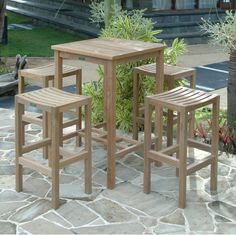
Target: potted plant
pixel 223 34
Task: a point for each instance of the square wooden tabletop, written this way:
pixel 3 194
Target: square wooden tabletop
pixel 109 48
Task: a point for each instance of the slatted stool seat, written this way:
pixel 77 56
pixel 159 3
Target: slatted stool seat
pixel 53 103
pixel 44 75
pixel 171 75
pixel 182 100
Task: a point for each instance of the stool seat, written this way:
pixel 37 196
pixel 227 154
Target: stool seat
pixel 44 75
pixel 172 74
pixel 47 72
pixel 51 97
pixel 170 71
pixel 182 97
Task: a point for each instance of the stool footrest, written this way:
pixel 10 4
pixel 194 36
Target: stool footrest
pixel 30 119
pixel 128 146
pixel 35 166
pixel 199 164
pixel 132 148
pixel 73 134
pixel 71 157
pixel 71 122
pixel 158 156
pixel 101 135
pixel 170 150
pixel 36 145
pixel 195 144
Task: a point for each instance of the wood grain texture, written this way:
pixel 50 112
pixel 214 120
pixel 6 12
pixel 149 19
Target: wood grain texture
pixel 183 100
pixel 53 102
pixel 109 52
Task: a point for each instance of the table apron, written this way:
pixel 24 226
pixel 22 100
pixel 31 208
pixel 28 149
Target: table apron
pixel 136 58
pixel 72 56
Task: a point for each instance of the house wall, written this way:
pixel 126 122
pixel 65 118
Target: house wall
pixel 178 4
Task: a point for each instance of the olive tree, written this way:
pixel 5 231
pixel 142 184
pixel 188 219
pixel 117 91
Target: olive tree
pixel 223 34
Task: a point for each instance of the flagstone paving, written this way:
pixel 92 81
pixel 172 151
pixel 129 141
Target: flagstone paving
pixel 123 210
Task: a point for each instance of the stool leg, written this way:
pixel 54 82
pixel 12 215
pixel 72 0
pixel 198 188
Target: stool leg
pixel 87 161
pixel 147 147
pixel 78 111
pixel 192 114
pixel 21 89
pixel 193 81
pixel 170 116
pixel 21 84
pixel 177 140
pixel 182 158
pixel 45 124
pixel 55 134
pixel 48 118
pixel 158 131
pixel 19 111
pixel 214 144
pixel 136 79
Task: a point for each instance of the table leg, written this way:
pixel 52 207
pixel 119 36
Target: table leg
pixel 110 112
pixel 160 71
pixel 58 84
pixel 58 70
pixel 159 111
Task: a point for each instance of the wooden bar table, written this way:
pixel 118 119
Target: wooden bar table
pixel 110 52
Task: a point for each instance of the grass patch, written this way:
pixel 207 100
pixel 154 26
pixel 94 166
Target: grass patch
pixel 18 19
pixel 36 42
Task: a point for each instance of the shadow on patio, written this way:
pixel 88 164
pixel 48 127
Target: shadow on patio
pixel 126 209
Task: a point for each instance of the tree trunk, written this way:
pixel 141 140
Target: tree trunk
pixel 231 111
pixel 2 15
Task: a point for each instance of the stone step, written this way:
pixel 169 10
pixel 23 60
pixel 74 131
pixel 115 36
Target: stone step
pixel 75 16
pixel 51 9
pixel 189 38
pixel 66 18
pixel 74 27
pixel 184 24
pixel 178 28
pixel 185 16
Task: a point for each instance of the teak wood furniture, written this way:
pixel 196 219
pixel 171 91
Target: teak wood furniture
pixel 171 75
pixel 109 53
pixel 52 102
pixel 44 75
pixel 183 100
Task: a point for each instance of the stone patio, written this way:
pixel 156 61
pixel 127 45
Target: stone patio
pixel 124 210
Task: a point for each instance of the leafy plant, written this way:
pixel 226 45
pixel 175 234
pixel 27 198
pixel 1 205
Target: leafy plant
pixel 3 67
pixel 227 139
pixel 127 25
pixel 226 134
pixel 222 33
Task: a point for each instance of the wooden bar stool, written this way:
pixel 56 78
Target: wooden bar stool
pixel 44 75
pixel 171 75
pixel 54 103
pixel 182 100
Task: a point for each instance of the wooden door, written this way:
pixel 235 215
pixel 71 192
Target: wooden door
pixel 227 4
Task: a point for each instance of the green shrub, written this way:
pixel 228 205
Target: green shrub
pixel 126 25
pixel 3 67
